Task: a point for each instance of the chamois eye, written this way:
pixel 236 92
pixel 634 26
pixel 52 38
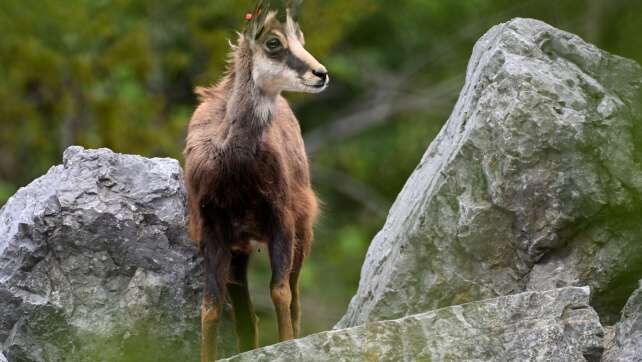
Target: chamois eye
pixel 273 44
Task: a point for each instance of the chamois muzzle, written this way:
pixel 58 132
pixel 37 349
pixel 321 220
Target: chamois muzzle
pixel 323 75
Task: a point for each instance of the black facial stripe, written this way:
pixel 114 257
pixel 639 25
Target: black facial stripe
pixel 295 63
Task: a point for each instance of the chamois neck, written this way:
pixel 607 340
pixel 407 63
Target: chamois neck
pixel 249 109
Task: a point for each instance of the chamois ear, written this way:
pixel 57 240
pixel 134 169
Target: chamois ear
pixel 293 7
pixel 256 19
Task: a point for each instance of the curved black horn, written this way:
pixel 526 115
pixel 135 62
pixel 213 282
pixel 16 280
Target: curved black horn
pixel 257 17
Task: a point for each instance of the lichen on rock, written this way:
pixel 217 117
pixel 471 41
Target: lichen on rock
pixel 557 325
pixel 95 263
pixel 534 183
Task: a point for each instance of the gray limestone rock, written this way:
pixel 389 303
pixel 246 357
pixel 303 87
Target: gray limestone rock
pixel 534 183
pixel 556 325
pixel 626 345
pixel 95 264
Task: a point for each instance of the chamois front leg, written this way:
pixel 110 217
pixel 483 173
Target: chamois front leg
pixel 281 261
pixel 217 262
pixel 210 315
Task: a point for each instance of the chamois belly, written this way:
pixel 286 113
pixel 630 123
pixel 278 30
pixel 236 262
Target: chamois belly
pixel 244 204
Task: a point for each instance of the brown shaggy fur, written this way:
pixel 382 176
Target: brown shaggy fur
pixel 248 180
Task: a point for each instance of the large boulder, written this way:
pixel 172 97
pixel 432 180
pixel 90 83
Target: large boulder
pixel 534 183
pixel 557 325
pixel 95 263
pixel 626 344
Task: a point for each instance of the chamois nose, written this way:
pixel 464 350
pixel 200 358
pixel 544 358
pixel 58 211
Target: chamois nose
pixel 321 73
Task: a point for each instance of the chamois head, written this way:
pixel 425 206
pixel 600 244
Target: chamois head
pixel 279 60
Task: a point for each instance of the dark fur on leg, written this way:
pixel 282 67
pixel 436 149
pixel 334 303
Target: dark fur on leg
pixel 217 264
pixel 244 317
pixel 281 250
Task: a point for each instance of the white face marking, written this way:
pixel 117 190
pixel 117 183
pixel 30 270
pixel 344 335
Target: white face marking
pixel 273 76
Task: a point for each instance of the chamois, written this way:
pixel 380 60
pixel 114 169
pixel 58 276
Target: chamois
pixel 247 174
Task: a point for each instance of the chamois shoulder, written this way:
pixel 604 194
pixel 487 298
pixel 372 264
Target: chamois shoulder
pixel 211 106
pixel 206 127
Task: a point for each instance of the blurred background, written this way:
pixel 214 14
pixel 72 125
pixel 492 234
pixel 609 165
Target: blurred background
pixel 121 74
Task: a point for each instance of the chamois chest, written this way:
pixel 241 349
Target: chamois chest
pixel 250 173
pixel 250 189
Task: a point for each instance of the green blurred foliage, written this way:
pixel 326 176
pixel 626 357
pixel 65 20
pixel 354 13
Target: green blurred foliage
pixel 121 73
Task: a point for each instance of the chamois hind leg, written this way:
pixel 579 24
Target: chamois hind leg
pixel 217 263
pixel 295 305
pixel 280 248
pixel 301 251
pixel 246 324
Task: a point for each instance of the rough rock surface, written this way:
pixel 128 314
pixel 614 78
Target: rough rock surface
pixel 557 325
pixel 534 183
pixel 627 340
pixel 95 263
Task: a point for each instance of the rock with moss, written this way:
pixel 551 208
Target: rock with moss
pixel 95 264
pixel 557 325
pixel 534 183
